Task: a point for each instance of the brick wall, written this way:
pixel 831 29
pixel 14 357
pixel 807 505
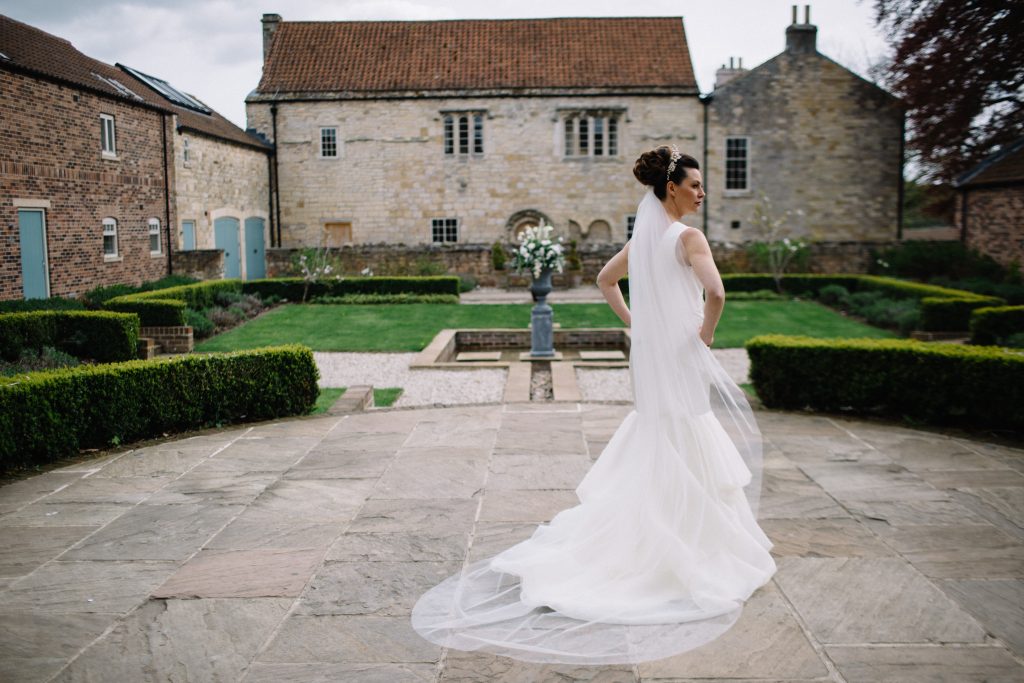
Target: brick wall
pixel 50 157
pixel 995 221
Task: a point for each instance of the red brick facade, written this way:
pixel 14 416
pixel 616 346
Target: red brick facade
pixel 50 158
pixel 994 221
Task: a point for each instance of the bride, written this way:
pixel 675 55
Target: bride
pixel 664 548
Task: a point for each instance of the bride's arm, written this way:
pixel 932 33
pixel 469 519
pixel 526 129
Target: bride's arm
pixel 608 281
pixel 698 253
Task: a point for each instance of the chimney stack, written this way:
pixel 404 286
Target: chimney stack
pixel 270 22
pixel 727 73
pixel 801 38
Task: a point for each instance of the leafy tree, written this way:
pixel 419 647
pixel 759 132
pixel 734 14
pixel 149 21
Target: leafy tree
pixel 959 67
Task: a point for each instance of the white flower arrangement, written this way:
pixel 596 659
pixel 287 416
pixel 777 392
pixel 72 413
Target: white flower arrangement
pixel 538 251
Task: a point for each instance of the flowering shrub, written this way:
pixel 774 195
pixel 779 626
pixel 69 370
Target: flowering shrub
pixel 538 251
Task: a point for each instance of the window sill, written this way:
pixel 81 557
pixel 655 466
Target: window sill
pixel 110 156
pixel 112 259
pixel 737 193
pixel 156 254
pixel 603 157
pixel 334 158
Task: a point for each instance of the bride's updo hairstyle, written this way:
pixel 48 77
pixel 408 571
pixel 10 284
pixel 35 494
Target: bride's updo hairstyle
pixel 652 169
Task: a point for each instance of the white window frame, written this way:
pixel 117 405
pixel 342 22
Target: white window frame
pixel 590 134
pixel 185 152
pixel 108 136
pixel 154 230
pixel 110 230
pixel 463 133
pixel 746 176
pixel 445 224
pixel 323 148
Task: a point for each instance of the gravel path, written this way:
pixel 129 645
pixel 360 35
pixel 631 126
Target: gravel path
pixel 421 387
pixel 454 387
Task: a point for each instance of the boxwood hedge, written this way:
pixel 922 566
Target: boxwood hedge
pixel 100 335
pixel 993 325
pixel 47 415
pixel 938 383
pixel 166 307
pixel 291 288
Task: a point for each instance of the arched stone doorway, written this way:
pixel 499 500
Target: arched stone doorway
pixel 599 231
pixel 521 220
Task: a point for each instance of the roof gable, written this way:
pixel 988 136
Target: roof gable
pixel 504 54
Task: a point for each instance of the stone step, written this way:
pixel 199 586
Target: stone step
pixel 355 400
pixel 148 348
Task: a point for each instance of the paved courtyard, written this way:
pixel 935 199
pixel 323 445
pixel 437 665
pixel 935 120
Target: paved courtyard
pixel 294 551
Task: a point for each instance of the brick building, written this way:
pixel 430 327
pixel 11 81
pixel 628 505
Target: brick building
pixel 428 132
pixel 990 205
pixel 93 177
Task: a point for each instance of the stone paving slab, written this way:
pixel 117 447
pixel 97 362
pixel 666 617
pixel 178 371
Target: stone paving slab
pixel 294 551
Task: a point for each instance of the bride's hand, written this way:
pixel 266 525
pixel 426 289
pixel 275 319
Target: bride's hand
pixel 706 336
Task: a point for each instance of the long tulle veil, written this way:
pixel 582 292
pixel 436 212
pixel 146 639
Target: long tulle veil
pixel 663 549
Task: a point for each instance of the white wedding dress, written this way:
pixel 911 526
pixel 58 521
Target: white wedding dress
pixel 664 547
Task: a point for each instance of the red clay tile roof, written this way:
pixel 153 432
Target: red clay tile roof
pixel 360 57
pixel 1004 166
pixel 37 52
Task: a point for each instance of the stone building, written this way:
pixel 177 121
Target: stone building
pixel 94 175
pixel 809 134
pixel 990 205
pixel 440 132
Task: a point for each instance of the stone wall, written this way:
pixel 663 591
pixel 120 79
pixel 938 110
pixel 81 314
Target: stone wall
pixel 821 139
pixel 50 159
pixel 995 221
pixel 204 264
pixel 475 260
pixel 220 179
pixel 391 176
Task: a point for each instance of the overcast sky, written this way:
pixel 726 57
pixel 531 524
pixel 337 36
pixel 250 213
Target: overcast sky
pixel 213 48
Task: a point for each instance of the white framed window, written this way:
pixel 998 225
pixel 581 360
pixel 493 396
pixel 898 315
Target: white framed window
pixel 737 163
pixel 444 230
pixel 154 236
pixel 463 133
pixel 108 137
pixel 590 134
pixel 186 154
pixel 630 220
pixel 110 238
pixel 329 142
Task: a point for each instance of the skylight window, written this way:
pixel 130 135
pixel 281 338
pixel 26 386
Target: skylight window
pixel 168 91
pixel 119 87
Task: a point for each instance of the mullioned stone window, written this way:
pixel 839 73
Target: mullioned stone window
pixel 737 163
pixel 590 133
pixel 463 133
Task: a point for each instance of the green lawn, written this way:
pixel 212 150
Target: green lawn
pixel 410 327
pixel 382 398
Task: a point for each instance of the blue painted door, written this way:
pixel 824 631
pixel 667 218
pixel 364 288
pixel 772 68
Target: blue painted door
pixel 255 258
pixel 188 231
pixel 225 236
pixel 34 277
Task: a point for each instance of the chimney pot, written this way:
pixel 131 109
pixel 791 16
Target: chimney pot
pixel 807 14
pixel 795 8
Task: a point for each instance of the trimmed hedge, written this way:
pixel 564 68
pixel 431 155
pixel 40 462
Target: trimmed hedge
pixel 166 307
pixel 48 415
pixel 291 288
pixel 939 383
pixel 54 303
pixel 387 299
pixel 100 335
pixel 992 325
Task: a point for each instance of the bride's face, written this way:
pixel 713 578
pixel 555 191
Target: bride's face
pixel 688 195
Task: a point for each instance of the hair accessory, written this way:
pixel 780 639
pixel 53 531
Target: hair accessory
pixel 672 165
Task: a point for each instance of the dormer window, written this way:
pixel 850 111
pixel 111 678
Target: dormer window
pixel 463 133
